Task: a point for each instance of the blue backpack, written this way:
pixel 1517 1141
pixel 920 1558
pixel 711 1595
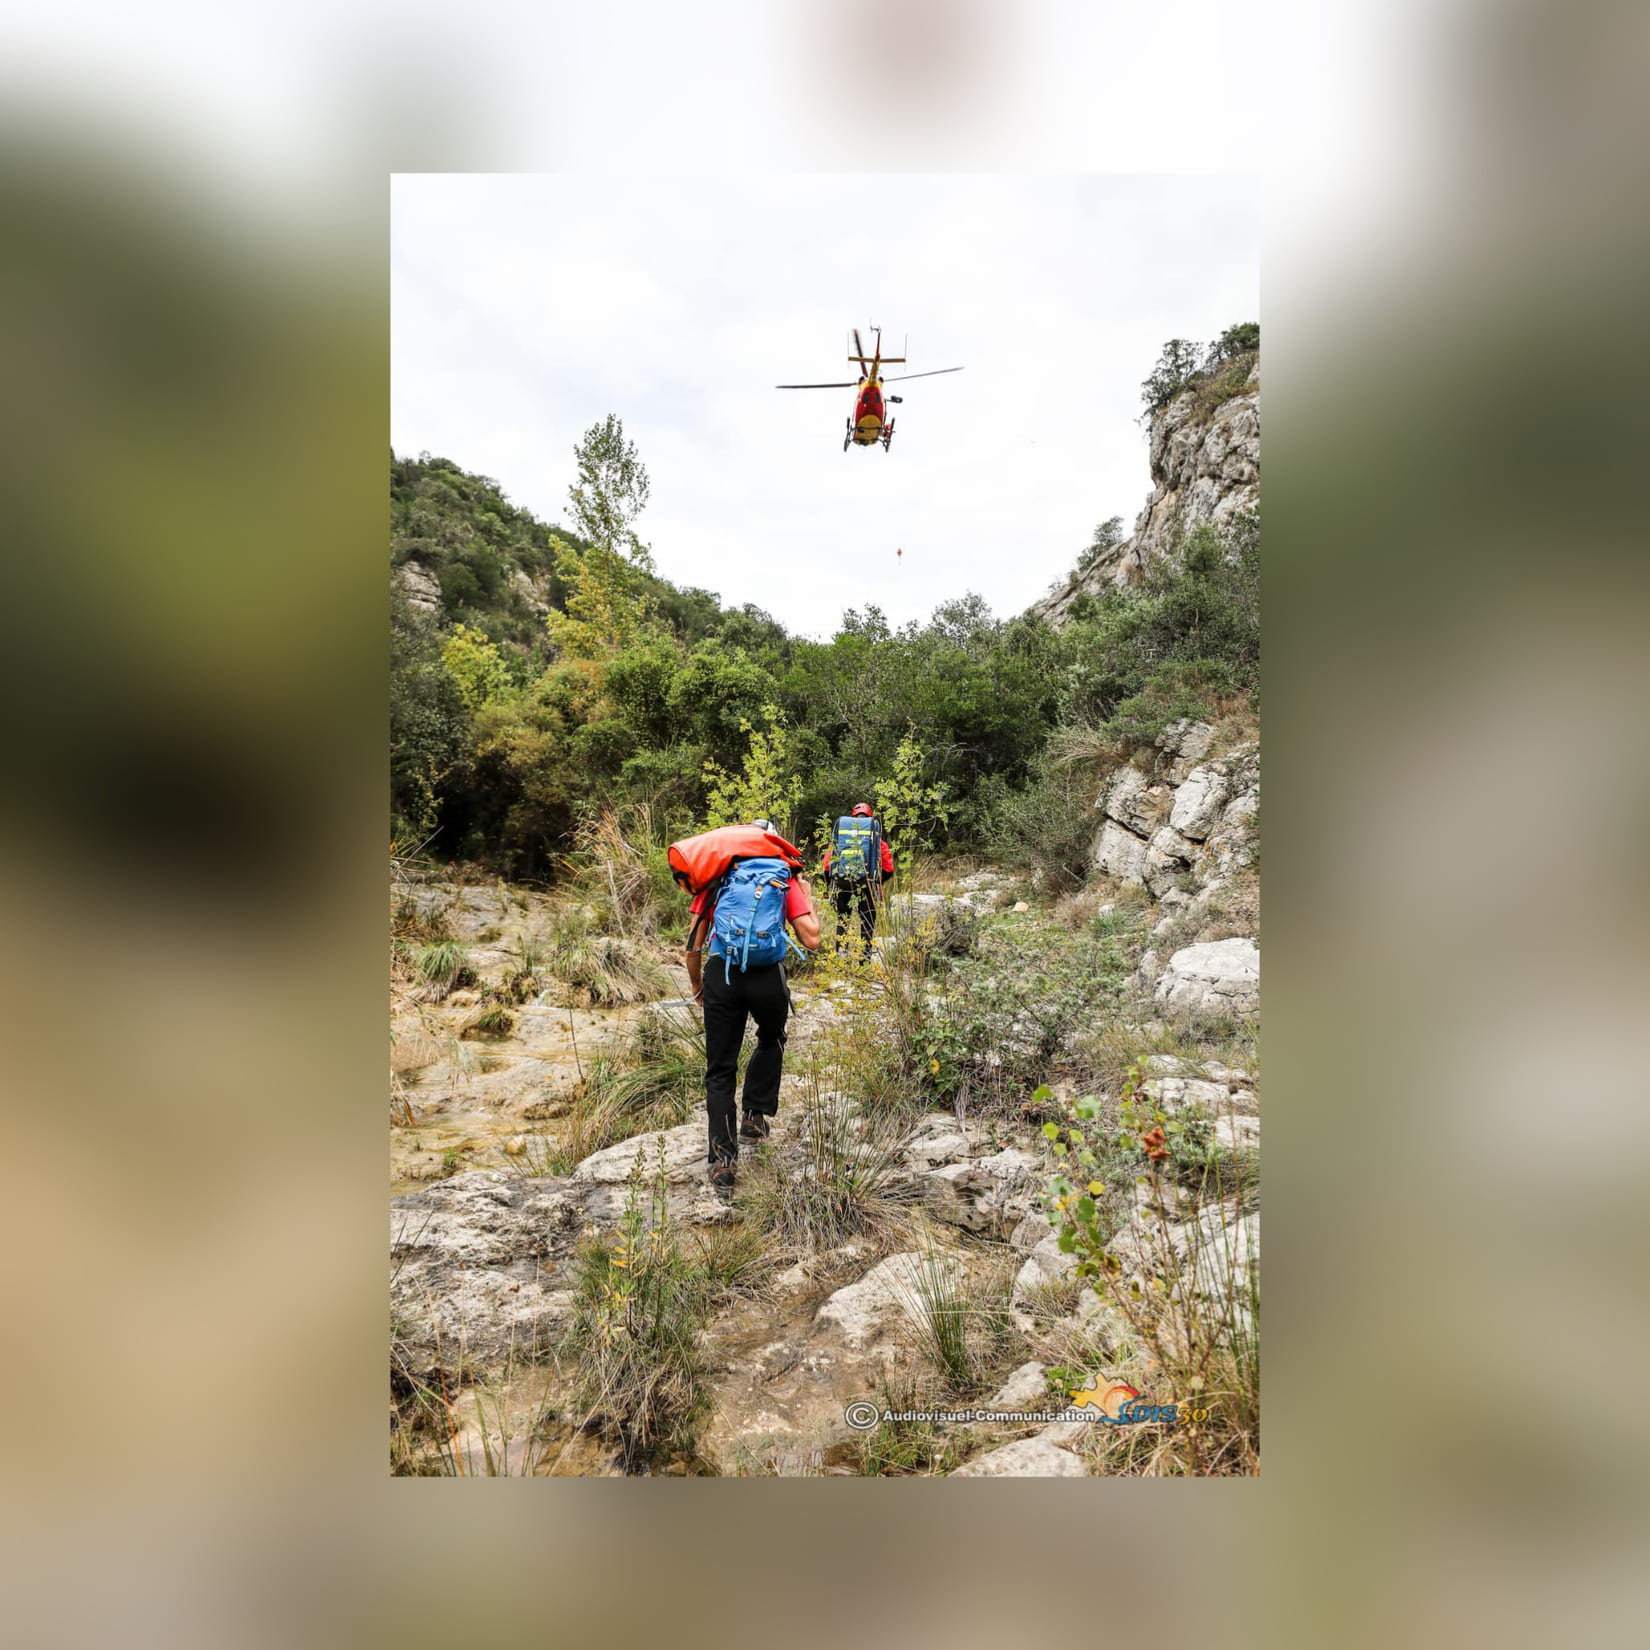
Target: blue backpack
pixel 749 926
pixel 857 849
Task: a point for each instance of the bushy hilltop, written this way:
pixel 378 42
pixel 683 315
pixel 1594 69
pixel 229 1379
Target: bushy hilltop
pixel 461 553
pixel 539 676
pixel 1203 414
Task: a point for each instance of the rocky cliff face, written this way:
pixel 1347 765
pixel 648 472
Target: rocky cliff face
pixel 1178 821
pixel 1205 470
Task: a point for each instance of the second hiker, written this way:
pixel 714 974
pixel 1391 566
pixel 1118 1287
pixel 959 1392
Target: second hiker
pixel 856 865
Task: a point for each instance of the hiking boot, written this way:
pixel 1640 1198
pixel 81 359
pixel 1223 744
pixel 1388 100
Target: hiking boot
pixel 722 1176
pixel 753 1127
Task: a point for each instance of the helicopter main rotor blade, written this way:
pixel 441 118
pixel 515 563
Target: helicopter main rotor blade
pixel 850 384
pixel 899 377
pixel 859 348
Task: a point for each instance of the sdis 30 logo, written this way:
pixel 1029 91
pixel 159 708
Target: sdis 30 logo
pixel 1122 1404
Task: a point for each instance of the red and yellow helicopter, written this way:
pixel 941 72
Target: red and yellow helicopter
pixel 870 423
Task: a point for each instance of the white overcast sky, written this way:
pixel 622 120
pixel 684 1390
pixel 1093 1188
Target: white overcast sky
pixel 526 308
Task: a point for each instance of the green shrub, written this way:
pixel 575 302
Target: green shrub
pixel 1198 1310
pixel 1047 828
pixel 639 1304
pixel 605 970
pixel 851 1182
pixel 443 966
pixel 1000 1020
pixel 490 1020
pixel 961 1325
pixel 910 1449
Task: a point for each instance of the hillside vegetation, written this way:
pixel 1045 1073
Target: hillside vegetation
pixel 547 672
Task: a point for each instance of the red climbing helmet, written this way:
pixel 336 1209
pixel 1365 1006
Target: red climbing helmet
pixel 861 808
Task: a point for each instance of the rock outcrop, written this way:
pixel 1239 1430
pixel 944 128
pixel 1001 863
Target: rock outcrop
pixel 479 1273
pixel 988 1195
pixel 1205 468
pixel 1175 814
pixel 1219 978
pixel 422 588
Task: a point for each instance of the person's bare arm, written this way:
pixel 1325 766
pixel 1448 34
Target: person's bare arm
pixel 695 960
pixel 807 927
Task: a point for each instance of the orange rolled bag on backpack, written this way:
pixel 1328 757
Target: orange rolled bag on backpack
pixel 698 862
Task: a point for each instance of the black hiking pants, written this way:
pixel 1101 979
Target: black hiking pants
pixel 847 895
pixel 730 997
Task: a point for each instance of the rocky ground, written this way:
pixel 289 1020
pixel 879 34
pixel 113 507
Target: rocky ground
pixel 483 1248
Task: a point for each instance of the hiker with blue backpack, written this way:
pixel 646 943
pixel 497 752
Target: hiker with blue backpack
pixel 747 888
pixel 856 865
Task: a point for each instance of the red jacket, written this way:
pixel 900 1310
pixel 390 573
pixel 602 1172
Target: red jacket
pixel 887 859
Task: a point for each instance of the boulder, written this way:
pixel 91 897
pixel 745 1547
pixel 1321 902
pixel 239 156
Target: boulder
pixel 1046 1264
pixel 1025 1389
pixel 421 587
pixel 1219 977
pixel 1184 744
pixel 1227 1255
pixel 522 583
pixel 1213 1256
pixel 686 1156
pixel 1173 1095
pixel 1037 1457
pixel 1237 1133
pixel 936 1140
pixel 985 1194
pixel 1135 802
pixel 1198 801
pixel 1030 1232
pixel 1241 809
pixel 486 1218
pixel 863 1314
pixel 1120 853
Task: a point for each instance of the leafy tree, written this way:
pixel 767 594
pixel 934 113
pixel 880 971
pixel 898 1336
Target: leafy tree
pixel 476 665
pixel 429 723
pixel 1242 339
pixel 537 758
pixel 641 681
pixel 1107 536
pixel 766 785
pixel 1179 363
pixel 608 602
pixel 717 695
pixel 611 492
pixel 908 809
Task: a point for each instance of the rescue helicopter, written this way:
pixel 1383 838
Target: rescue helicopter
pixel 870 423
